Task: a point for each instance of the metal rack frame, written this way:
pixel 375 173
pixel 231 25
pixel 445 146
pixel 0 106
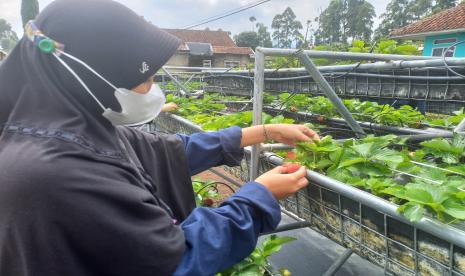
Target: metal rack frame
pixel 425 81
pixel 304 57
pixel 453 236
pixel 324 207
pixel 330 219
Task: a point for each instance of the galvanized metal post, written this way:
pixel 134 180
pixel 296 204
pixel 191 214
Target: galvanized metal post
pixel 178 83
pixel 328 90
pixel 259 82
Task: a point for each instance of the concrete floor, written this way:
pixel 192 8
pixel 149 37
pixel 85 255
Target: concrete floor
pixel 312 254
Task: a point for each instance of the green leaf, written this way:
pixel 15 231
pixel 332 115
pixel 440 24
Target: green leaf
pixel 273 244
pixel 351 162
pixel 419 196
pixel 438 144
pixel 413 212
pixel 454 208
pixel 363 149
pixel 397 191
pixel 392 158
pixel 324 163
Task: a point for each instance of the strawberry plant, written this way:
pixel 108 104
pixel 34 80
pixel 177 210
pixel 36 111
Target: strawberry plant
pixel 257 263
pixel 448 121
pixel 362 111
pixel 448 151
pixel 210 115
pixel 205 192
pixel 431 181
pixel 193 85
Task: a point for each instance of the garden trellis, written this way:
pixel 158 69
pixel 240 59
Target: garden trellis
pixel 356 219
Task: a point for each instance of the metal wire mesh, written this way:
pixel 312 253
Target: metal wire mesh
pixel 398 247
pixel 174 124
pixel 435 90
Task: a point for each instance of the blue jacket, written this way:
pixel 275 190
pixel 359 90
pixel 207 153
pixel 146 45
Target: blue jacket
pixel 217 238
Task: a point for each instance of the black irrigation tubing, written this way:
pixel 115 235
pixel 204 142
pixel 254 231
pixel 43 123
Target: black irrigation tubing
pixel 315 115
pixel 226 177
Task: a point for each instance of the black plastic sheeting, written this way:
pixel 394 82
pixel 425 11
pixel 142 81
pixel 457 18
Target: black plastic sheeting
pixel 313 254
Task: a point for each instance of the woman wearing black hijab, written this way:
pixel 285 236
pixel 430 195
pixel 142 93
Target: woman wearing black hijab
pixel 82 195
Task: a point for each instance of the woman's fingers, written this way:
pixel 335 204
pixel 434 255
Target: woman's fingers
pixel 310 133
pixel 280 184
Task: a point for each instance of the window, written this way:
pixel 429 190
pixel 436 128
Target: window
pixel 232 64
pixel 445 40
pixel 207 63
pixel 438 52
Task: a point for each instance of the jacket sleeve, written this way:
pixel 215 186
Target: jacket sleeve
pixel 217 238
pixel 209 149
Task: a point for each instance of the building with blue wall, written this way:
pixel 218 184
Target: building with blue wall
pixel 440 32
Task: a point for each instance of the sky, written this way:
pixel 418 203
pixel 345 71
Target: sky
pixel 181 13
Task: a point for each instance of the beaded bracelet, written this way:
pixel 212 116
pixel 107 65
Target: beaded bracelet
pixel 267 138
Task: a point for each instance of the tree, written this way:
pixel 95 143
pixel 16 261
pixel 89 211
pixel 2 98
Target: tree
pixel 286 29
pixel 8 37
pixel 264 37
pixel 344 19
pixel 396 16
pixel 253 19
pixel 400 13
pixel 443 4
pixel 309 22
pixel 247 39
pixel 418 9
pixel 29 10
pixel 359 19
pixel 329 21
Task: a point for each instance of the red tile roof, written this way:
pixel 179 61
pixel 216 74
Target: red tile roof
pixel 447 20
pixel 215 38
pixel 232 50
pixel 220 40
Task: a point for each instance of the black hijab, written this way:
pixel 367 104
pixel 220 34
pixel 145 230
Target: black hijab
pixel 36 90
pixel 79 196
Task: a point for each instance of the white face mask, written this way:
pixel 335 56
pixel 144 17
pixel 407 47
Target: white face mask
pixel 136 108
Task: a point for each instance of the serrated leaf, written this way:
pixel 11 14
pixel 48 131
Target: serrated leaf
pixel 363 149
pixel 418 195
pixel 351 162
pixel 390 157
pixel 413 212
pixel 454 208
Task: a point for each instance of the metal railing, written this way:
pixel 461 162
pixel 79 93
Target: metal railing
pixel 329 216
pixel 362 222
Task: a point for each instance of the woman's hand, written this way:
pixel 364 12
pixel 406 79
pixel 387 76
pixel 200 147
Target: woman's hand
pixel 169 107
pixel 283 133
pixel 290 134
pixel 282 185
